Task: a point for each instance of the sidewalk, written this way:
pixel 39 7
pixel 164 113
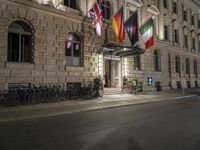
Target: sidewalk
pixel 74 106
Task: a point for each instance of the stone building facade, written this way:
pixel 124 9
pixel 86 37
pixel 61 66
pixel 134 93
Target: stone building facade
pixel 43 42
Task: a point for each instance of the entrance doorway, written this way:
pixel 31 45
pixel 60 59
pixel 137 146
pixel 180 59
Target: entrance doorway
pixel 112 73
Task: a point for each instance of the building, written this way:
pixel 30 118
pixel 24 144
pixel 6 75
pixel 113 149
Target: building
pixel 46 41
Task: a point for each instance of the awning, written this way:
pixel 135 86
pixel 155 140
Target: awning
pixel 121 50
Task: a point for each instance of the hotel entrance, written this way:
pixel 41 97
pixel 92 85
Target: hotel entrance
pixel 112 73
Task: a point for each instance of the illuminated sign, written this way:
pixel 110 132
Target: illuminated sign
pixel 149 81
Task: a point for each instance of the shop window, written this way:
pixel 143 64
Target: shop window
pixel 73 50
pixel 19 42
pixel 70 3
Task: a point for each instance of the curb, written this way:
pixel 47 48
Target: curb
pixel 103 105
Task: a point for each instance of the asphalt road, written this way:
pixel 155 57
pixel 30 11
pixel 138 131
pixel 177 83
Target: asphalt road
pixel 169 125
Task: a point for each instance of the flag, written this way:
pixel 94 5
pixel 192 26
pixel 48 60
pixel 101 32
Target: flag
pixel 147 33
pixel 118 26
pixel 131 26
pixel 95 15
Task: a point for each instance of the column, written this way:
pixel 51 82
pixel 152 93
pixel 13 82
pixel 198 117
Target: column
pixel 161 21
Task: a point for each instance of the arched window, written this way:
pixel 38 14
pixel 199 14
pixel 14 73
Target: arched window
pixel 73 49
pixel 177 64
pixel 195 68
pixel 157 61
pixel 187 64
pixel 19 42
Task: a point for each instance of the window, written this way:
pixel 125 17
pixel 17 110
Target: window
pixel 19 42
pixel 199 46
pixel 195 68
pixel 70 3
pixel 169 64
pixel 193 43
pixel 165 4
pixel 187 65
pixel 178 84
pixel 137 65
pixel 186 41
pixel 174 7
pixel 176 36
pixel 185 15
pixel 106 9
pixel 73 50
pixel 199 24
pixel 157 61
pixel 177 64
pixel 166 32
pixel 192 19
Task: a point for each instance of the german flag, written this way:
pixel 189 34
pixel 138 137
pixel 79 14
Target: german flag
pixel 118 26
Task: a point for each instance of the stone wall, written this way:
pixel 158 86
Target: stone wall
pixel 50 29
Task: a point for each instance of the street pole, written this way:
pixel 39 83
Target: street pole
pixel 184 87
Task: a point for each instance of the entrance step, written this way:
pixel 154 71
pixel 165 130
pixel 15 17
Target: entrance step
pixel 112 91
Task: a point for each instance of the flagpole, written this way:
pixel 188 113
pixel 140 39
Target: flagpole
pixel 117 10
pixel 86 7
pixel 87 11
pixel 146 21
pixel 131 15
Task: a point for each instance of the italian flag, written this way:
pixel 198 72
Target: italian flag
pixel 146 30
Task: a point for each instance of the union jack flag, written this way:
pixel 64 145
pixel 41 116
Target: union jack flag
pixel 95 15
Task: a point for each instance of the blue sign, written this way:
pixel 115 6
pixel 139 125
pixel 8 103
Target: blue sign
pixel 150 81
